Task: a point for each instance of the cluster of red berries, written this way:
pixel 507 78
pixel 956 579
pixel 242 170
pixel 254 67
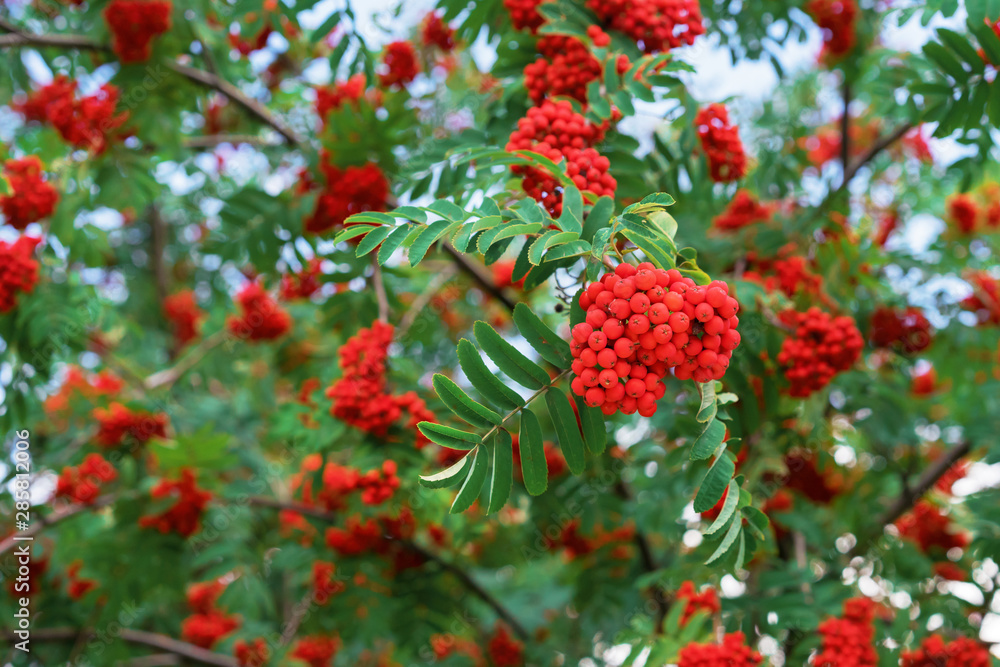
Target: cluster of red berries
pixel 375 486
pixel 262 318
pixel 348 191
pixel 576 545
pixel 316 650
pixel 930 529
pixel 333 98
pixel 707 600
pixel 18 270
pixel 85 122
pixel 503 649
pixel 934 652
pixel 303 284
pixel 964 212
pixel 847 641
pixel 247 46
pixel 360 397
pixel 806 474
pixel 655 25
pixel 524 14
pixel 134 24
pixel 78 586
pixel 32 197
pixel 556 131
pixel 184 517
pixel 182 311
pixel 916 144
pixel 82 484
pixel 732 652
pixel 984 300
pixel 787 272
pixel 399 65
pixel 446 644
pixel 116 423
pixel 253 653
pixel 642 321
pixel 907 329
pixel 90 386
pixel 721 142
pixel 566 67
pixel 923 382
pixel 384 536
pixel 436 32
pixel 820 347
pixel 836 19
pixel 325 583
pixel 207 623
pixel 743 210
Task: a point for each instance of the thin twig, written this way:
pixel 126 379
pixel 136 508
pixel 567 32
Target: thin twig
pixel 424 298
pixel 170 375
pixel 380 296
pixel 157 641
pixel 158 240
pixel 16 39
pixel 214 140
pixel 479 273
pixel 42 521
pixel 930 477
pixel 845 132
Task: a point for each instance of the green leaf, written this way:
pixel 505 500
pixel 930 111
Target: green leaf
pixel 598 218
pixel 552 237
pixel 715 482
pixel 469 492
pixel 371 241
pixel 497 234
pixel 567 432
pixel 571 249
pixel 988 40
pixel 447 209
pixel 944 59
pixel 572 212
pixel 709 402
pixel 391 243
pixel 353 231
pixel 488 384
pixel 534 469
pixel 518 367
pixel 549 345
pixel 734 531
pixel 449 476
pixel 664 222
pixel 411 213
pixel 960 45
pixel 592 424
pixel 486 222
pixel 728 508
pixel 503 472
pixel 708 441
pixel 660 198
pixel 463 406
pixel 994 103
pixel 428 235
pixel 658 252
pixel 325 27
pixel 757 521
pixel 449 437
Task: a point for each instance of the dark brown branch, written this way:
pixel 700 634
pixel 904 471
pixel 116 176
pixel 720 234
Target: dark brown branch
pixel 160 642
pixel 380 295
pixel 213 140
pixel 158 240
pixel 16 39
pixel 930 477
pixel 481 276
pixel 41 521
pixel 845 131
pixel 876 148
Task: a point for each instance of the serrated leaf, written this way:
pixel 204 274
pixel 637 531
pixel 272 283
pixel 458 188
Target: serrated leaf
pixel 960 45
pixel 488 384
pixel 508 359
pixel 552 237
pixel 449 476
pixel 734 531
pixel 462 405
pixel 497 234
pixel 709 402
pixel 599 217
pixel 595 436
pixel 486 222
pixel 447 209
pixel 571 219
pixel 392 242
pixel 715 482
pixel 473 484
pixel 571 249
pixel 428 235
pixel 757 520
pixel 503 472
pixel 372 239
pixel 449 437
pixel 549 345
pixel 708 440
pixel 534 468
pixel 657 252
pixel 411 213
pixel 567 432
pixel 353 231
pixel 728 508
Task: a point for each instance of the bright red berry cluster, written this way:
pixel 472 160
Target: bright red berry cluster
pixel 348 191
pixel 930 529
pixel 787 272
pixel 836 19
pixel 555 130
pixel 18 270
pixel 707 600
pixel 436 32
pixel 333 98
pixel 655 25
pixel 208 623
pixel 182 310
pixel 934 652
pixel 262 318
pixel 82 484
pixel 78 586
pixel 907 329
pixel 642 321
pixel 85 122
pixel 743 210
pixel 984 300
pixel 118 423
pixel 923 382
pixel 721 142
pixel 564 70
pixel 503 649
pixel 303 284
pixel 732 652
pixel 32 197
pixel 399 65
pixel 963 211
pixel 325 583
pixel 820 347
pixel 184 517
pixel 78 383
pixel 847 641
pixel 316 650
pixel 524 14
pixel 134 24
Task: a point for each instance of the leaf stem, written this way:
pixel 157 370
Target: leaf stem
pixel 528 402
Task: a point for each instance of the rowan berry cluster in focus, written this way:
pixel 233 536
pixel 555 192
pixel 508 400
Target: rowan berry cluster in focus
pixel 820 347
pixel 721 142
pixel 641 322
pixel 655 25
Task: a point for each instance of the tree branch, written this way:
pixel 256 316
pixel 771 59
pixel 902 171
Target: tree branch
pixel 18 38
pixel 213 140
pixel 930 477
pixel 41 521
pixel 170 375
pixel 160 642
pixel 845 131
pixel 481 276
pixel 380 296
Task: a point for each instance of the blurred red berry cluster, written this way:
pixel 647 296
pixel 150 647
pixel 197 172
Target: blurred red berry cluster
pixel 732 652
pixel 905 328
pixel 184 517
pixel 85 122
pixel 82 484
pixel 32 197
pixel 18 270
pixel 820 347
pixel 134 24
pixel 721 142
pixel 182 310
pixel 207 623
pixel 118 424
pixel 847 641
pixel 262 318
